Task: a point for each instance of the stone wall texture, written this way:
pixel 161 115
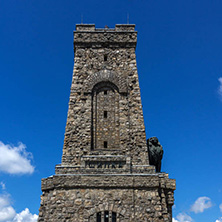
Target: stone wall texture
pixel 105 173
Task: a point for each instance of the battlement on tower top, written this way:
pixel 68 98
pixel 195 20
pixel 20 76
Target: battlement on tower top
pixel 118 28
pixel 87 35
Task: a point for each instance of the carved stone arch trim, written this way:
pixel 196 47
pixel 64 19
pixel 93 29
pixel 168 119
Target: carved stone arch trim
pixel 105 76
pixel 102 85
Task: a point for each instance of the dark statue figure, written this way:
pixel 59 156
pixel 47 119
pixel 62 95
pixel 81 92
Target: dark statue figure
pixel 155 151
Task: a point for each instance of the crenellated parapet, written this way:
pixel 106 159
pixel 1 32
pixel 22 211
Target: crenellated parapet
pixel 87 36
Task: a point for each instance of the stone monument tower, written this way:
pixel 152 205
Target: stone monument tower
pixel 105 175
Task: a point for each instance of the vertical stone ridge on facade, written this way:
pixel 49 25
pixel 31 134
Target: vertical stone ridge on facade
pixel 105 170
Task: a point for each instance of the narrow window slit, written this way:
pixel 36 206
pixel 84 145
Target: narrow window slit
pixel 98 217
pixel 105 92
pixel 105 144
pixel 105 114
pixel 106 216
pixel 105 58
pixel 113 216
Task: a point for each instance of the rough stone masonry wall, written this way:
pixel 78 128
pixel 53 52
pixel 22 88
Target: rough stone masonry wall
pixel 90 47
pixel 79 198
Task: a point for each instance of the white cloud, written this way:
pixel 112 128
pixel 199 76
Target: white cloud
pixel 220 88
pixel 8 214
pixel 220 206
pixel 15 159
pixel 174 220
pixel 201 204
pixel 219 220
pixel 2 185
pixel 182 217
pixel 25 216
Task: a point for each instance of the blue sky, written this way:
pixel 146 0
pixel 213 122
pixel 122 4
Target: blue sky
pixel 179 54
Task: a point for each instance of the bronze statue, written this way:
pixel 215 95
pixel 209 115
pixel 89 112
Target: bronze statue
pixel 155 151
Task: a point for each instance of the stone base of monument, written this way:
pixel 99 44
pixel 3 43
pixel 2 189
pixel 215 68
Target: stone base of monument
pixel 120 197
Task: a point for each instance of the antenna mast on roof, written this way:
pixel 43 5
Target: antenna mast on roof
pixel 81 19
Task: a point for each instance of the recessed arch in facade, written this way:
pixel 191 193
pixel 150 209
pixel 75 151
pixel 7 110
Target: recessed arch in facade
pixel 105 116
